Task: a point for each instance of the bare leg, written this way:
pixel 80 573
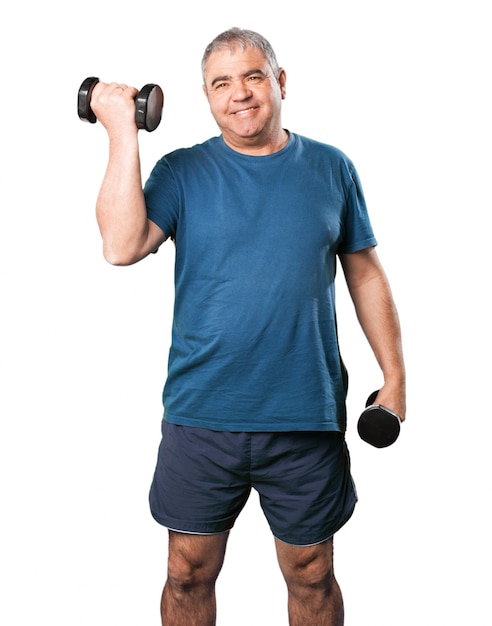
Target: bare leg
pixel 314 595
pixel 194 564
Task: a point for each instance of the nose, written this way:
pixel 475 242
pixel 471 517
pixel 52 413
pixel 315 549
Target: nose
pixel 240 91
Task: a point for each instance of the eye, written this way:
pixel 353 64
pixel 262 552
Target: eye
pixel 221 86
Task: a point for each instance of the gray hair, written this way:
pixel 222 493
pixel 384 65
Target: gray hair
pixel 238 37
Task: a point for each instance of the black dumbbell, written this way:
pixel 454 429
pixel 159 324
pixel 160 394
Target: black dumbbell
pixel 378 425
pixel 148 102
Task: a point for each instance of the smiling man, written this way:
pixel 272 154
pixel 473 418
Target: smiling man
pixel 245 95
pixel 256 387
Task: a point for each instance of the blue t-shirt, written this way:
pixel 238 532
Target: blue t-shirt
pixel 254 338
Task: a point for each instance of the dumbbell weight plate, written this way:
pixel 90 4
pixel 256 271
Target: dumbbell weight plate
pixel 149 103
pixel 84 100
pixel 377 425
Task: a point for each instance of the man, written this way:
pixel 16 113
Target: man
pixel 256 387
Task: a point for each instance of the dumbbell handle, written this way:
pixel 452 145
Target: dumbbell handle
pixel 148 104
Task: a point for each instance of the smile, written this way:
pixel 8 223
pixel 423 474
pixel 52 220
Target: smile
pixel 245 111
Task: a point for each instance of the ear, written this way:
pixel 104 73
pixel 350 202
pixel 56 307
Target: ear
pixel 205 91
pixel 282 81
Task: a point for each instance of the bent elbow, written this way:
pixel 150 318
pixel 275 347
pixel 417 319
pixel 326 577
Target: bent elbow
pixel 119 257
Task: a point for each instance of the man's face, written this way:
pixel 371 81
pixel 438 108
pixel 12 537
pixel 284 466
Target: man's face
pixel 245 97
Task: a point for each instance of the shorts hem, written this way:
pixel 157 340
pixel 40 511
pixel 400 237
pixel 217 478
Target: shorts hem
pixel 191 532
pixel 307 544
pixel 190 529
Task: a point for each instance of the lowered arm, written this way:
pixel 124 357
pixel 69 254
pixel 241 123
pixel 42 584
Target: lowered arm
pixel 376 311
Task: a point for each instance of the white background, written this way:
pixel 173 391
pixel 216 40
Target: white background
pixel 404 89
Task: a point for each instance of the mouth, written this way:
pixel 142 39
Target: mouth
pixel 245 111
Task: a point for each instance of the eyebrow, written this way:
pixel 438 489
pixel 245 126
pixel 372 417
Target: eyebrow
pixel 219 79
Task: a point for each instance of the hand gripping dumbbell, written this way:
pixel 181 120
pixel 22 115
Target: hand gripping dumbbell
pixel 378 425
pixel 148 104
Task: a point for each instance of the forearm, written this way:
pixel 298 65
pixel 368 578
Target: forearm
pixel 120 207
pixel 378 317
pixel 379 320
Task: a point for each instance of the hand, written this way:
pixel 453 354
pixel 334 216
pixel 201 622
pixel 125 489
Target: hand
pixel 114 106
pixel 392 398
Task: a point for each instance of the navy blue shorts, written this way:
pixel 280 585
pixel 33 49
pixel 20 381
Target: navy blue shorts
pixel 203 479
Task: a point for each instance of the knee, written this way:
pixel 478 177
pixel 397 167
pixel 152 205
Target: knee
pixel 182 575
pixel 185 575
pixel 194 562
pixel 310 574
pixel 314 574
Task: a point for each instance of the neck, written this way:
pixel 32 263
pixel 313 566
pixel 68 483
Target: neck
pixel 252 147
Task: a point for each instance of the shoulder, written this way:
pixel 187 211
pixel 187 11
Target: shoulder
pixel 326 156
pixel 190 162
pixel 319 147
pixel 196 151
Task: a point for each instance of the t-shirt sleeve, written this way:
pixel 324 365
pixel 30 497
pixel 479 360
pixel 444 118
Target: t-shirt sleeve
pixel 357 231
pixel 162 197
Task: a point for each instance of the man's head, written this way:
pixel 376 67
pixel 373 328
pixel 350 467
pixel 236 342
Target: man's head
pixel 242 39
pixel 244 87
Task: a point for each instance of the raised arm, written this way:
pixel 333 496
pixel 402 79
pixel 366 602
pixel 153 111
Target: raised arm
pixel 128 235
pixel 378 317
